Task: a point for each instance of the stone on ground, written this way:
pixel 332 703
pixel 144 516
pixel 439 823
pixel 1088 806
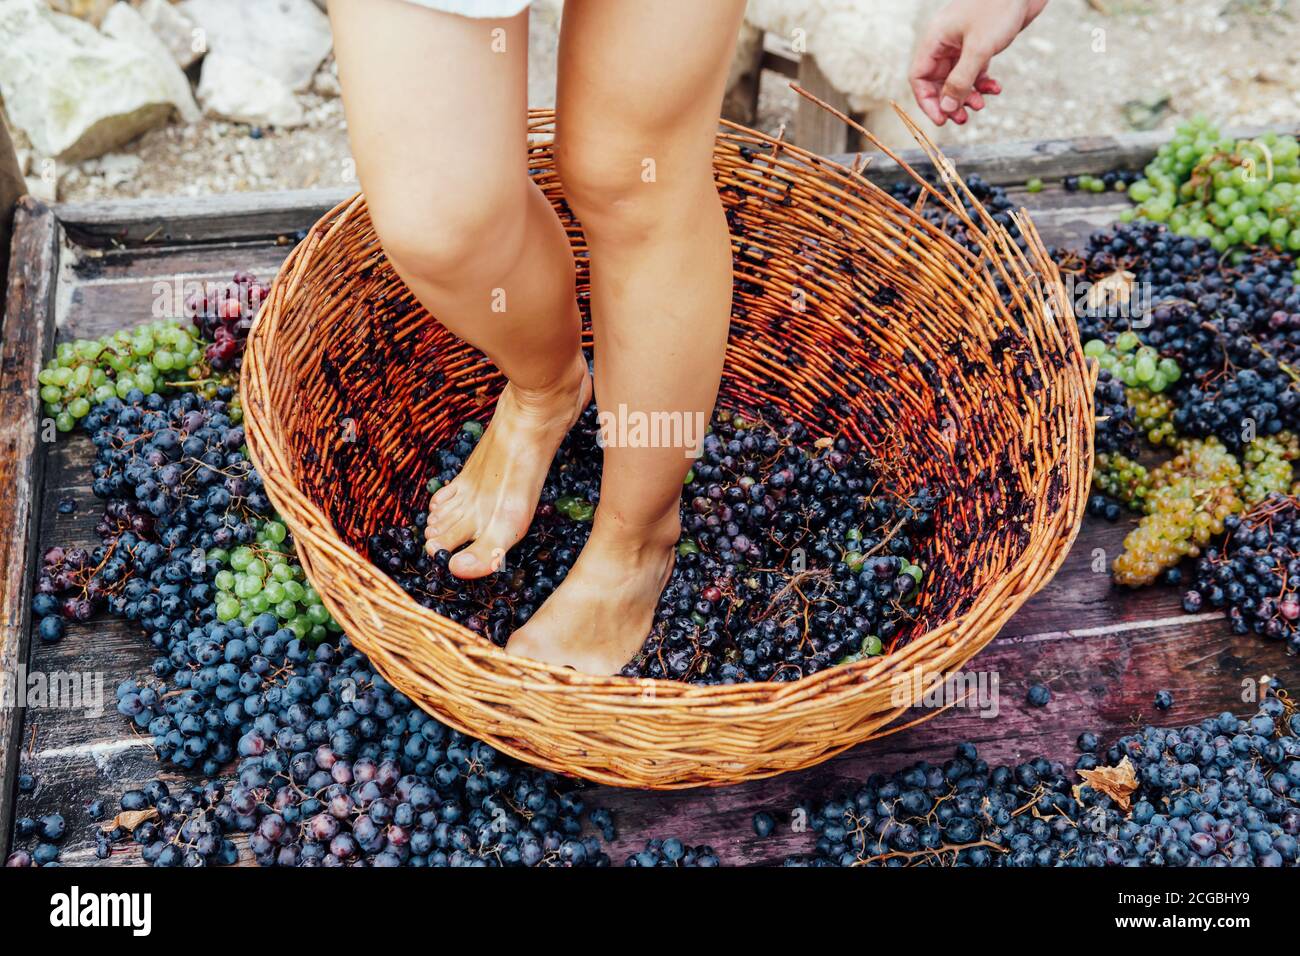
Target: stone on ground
pixel 123 22
pixel 92 11
pixel 233 89
pixel 74 92
pixel 175 29
pixel 286 39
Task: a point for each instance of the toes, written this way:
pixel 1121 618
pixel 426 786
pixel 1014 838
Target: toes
pixel 447 532
pixel 485 556
pixel 443 514
pixel 436 521
pixel 478 560
pixel 438 504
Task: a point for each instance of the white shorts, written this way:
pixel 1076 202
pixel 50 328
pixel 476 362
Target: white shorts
pixel 488 9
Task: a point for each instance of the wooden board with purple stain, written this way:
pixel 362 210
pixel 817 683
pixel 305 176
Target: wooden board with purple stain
pixel 1103 651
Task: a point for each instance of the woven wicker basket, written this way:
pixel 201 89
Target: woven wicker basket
pixel 851 312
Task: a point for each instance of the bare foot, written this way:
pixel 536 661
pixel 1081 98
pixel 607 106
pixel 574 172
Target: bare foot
pixel 600 615
pixel 491 502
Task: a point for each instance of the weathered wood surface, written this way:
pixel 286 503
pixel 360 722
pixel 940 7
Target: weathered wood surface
pixel 12 186
pixel 814 128
pixel 1004 164
pixel 1104 651
pixel 173 220
pixel 26 337
pixel 740 102
pixel 1103 677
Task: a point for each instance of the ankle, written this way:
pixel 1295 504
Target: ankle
pixel 558 386
pixel 644 538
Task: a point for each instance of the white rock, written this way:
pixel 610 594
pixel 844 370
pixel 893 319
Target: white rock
pixel 326 81
pixel 116 169
pixel 75 92
pixel 46 190
pixel 174 28
pixel 91 11
pixel 284 38
pixel 234 89
pixel 123 22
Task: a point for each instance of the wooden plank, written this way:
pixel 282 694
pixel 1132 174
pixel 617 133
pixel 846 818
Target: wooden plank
pixel 740 102
pixel 12 187
pixel 1084 594
pixel 814 128
pixel 124 288
pixel 78 754
pixel 175 220
pixel 132 223
pixel 1007 163
pixel 1065 220
pixel 778 61
pixel 109 649
pixel 146 264
pixel 1104 683
pixel 25 342
pixel 116 286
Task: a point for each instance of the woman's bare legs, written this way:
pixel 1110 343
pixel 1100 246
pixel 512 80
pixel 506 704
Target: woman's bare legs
pixel 640 89
pixel 436 107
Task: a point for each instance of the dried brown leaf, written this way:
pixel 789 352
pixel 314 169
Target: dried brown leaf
pixel 1117 782
pixel 1114 289
pixel 130 819
pixel 824 443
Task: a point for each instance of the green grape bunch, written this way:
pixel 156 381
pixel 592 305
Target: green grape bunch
pixel 1234 193
pixel 90 371
pixel 1134 364
pixel 266 578
pixel 1268 469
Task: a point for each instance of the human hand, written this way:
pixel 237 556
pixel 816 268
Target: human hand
pixel 949 73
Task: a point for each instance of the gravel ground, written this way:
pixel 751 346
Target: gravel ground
pixel 1087 67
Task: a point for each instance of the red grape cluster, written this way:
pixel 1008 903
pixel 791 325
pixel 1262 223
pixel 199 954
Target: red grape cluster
pixel 224 313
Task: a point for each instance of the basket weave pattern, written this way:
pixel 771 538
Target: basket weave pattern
pixel 851 312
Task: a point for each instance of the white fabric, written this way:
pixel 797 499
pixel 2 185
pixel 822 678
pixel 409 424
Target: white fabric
pixel 487 9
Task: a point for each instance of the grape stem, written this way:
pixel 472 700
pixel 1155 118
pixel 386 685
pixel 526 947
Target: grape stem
pixel 936 851
pixel 194 383
pixel 791 585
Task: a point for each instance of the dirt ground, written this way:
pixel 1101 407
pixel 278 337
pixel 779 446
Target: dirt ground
pixel 1087 67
